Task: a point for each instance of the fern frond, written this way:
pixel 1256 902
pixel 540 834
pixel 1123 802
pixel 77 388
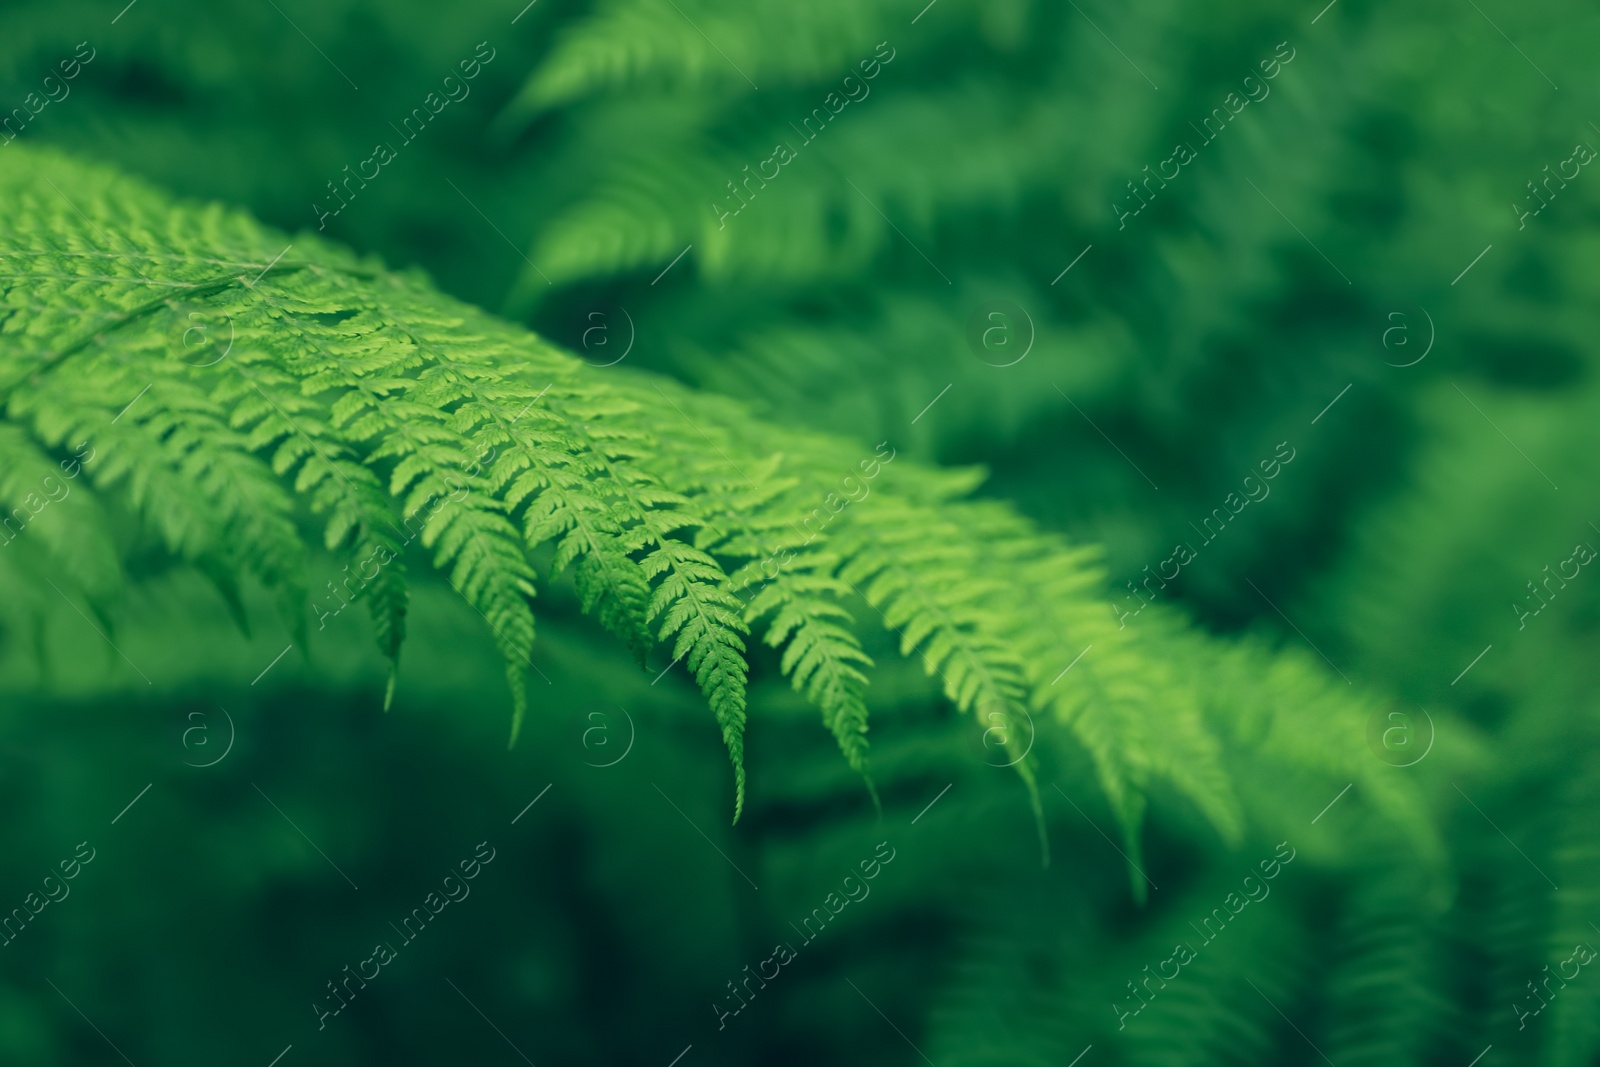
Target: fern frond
pixel 623 44
pixel 397 415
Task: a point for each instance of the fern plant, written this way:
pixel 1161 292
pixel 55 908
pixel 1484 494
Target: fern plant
pixel 325 396
pixel 180 384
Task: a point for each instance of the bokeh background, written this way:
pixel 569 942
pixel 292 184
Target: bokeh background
pixel 1351 268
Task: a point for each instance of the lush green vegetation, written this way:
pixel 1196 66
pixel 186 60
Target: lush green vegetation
pixel 1056 530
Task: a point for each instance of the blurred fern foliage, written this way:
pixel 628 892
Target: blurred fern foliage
pixel 664 323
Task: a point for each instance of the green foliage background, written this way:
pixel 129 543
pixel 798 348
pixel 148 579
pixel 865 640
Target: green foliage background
pixel 1259 286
